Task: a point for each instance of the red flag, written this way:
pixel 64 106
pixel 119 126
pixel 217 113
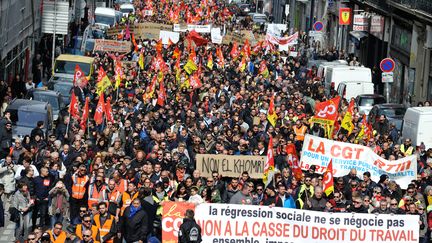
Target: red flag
pixel 74 106
pixel 193 56
pixel 197 38
pixel 293 161
pixel 100 109
pixel 328 179
pixel 161 95
pixel 246 48
pixel 108 110
pixel 221 60
pixel 351 107
pixel 159 46
pixel 176 53
pixel 257 48
pixel 85 114
pixel 234 51
pixel 194 81
pixel 79 78
pixel 134 42
pixel 269 165
pixel 327 112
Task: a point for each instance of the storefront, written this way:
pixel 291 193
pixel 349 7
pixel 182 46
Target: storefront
pixel 403 85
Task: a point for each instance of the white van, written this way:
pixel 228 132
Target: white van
pixel 322 69
pixel 107 17
pixel 352 89
pixel 127 8
pixel 417 124
pixel 337 74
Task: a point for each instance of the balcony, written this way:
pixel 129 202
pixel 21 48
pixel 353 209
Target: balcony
pixel 424 6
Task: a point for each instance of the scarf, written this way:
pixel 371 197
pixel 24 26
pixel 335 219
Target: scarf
pixel 60 202
pixel 133 211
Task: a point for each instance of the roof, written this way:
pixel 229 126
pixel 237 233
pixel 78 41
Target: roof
pixel 390 105
pixel 127 6
pixel 101 10
pixel 29 105
pixel 371 96
pixel 46 92
pixel 422 109
pixel 75 58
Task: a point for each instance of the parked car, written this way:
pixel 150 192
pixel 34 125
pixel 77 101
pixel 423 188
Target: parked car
pixel 394 113
pixel 365 102
pixel 26 113
pixel 63 87
pixel 54 98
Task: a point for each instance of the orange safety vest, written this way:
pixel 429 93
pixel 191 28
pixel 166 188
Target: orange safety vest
pixel 112 196
pixel 94 196
pixel 300 132
pixel 78 186
pixel 78 232
pixel 105 228
pixel 57 239
pixel 122 186
pixel 127 200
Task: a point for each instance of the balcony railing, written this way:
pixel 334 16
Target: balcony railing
pixel 420 5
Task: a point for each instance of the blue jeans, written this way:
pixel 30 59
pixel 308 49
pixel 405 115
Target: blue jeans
pixel 56 218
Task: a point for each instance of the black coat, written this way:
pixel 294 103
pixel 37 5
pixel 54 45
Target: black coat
pixel 135 228
pixel 188 229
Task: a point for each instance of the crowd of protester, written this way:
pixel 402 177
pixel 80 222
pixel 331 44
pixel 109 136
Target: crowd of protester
pixel 107 182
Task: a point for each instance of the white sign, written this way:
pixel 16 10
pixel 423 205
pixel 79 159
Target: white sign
pixel 190 27
pixel 346 156
pixel 360 23
pixel 148 12
pixel 387 77
pixel 167 35
pixel 260 224
pixel 377 26
pixel 216 36
pixel 276 29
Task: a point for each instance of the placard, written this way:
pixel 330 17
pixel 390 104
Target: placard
pixel 259 224
pixel 150 30
pixel 169 35
pixel 189 27
pixel 346 156
pixel 112 46
pixel 230 165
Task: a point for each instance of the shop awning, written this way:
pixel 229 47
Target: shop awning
pixel 358 35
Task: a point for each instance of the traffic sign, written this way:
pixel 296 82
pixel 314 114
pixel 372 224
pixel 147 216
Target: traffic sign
pixel 387 65
pixel 387 77
pixel 318 26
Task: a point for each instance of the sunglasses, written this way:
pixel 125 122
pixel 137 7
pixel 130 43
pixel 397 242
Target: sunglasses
pixel 377 192
pixel 410 191
pixel 86 235
pixel 393 204
pixel 356 202
pixel 31 238
pixel 87 221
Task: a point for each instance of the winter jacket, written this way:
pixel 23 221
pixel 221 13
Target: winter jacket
pixel 7 177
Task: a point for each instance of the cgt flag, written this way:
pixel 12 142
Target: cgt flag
pixel 269 165
pixel 328 179
pixel 326 112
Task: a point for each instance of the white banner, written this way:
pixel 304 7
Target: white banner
pixel 216 36
pixel 318 151
pixel 166 35
pixel 190 27
pixel 260 224
pixel 276 29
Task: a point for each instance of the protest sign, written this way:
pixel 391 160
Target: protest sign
pixel 150 30
pixel 112 46
pixel 172 218
pixel 318 151
pixel 239 37
pixel 230 165
pixel 169 35
pixel 216 36
pixel 113 31
pixel 189 27
pixel 256 224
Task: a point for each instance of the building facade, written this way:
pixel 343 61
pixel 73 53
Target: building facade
pixel 400 29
